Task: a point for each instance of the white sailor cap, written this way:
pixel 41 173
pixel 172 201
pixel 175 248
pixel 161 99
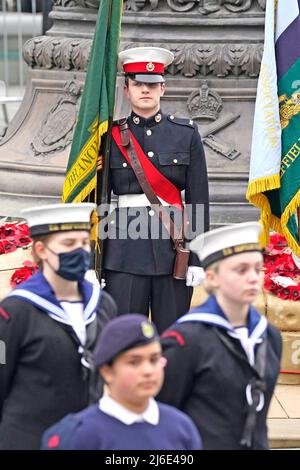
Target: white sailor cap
pixel 226 241
pixel 146 64
pixel 52 218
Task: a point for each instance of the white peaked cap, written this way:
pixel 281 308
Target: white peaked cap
pixel 146 54
pixel 146 63
pixel 52 218
pixel 226 241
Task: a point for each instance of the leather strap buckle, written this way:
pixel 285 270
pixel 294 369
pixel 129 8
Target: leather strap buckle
pixel 124 132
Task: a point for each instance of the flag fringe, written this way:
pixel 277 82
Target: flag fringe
pixel 260 185
pixel 290 210
pixel 94 229
pixel 255 195
pixel 86 191
pixel 90 186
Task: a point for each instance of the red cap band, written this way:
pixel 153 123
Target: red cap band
pixel 144 67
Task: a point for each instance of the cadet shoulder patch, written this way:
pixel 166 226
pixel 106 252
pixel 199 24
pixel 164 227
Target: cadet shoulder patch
pixel 59 436
pixel 53 441
pixel 181 121
pixel 4 314
pixel 174 334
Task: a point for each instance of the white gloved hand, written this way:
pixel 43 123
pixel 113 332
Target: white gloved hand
pixel 91 276
pixel 195 276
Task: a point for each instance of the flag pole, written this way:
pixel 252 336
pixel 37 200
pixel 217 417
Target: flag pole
pixel 104 197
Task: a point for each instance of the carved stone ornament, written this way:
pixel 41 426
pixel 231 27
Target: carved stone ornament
pixel 78 3
pixel 204 7
pixel 220 60
pixel 221 147
pixel 190 59
pixel 137 5
pixel 62 53
pixel 206 105
pixel 56 130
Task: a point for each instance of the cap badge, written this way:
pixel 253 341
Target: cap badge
pixel 150 67
pixel 158 117
pixel 147 330
pixel 136 119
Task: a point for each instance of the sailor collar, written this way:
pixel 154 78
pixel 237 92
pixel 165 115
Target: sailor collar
pixel 150 122
pixel 37 291
pixel 211 313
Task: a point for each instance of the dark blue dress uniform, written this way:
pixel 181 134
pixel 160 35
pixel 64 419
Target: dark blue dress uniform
pixel 48 373
pixel 113 426
pixel 209 377
pixel 140 270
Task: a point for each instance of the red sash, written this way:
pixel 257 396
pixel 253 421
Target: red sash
pixel 162 187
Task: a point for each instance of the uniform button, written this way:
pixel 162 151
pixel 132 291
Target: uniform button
pixel 150 154
pixel 148 132
pixel 172 117
pixel 151 212
pixel 112 222
pixel 175 160
pixel 124 165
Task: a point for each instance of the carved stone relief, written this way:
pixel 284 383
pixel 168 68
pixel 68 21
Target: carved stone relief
pixel 77 3
pixel 62 53
pixel 204 7
pixel 190 60
pixel 55 132
pixel 205 105
pixel 219 60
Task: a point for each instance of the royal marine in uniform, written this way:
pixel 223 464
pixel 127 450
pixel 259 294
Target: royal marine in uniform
pixel 139 254
pixel 223 357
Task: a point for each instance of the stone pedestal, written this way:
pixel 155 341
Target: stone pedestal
pixel 218 48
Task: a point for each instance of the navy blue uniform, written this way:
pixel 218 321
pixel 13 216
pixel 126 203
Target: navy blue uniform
pixel 92 429
pixel 208 381
pixel 139 270
pixel 47 372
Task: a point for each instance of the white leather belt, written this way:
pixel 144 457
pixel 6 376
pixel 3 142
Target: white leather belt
pixel 136 200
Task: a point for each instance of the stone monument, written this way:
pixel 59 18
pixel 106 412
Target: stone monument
pixel 218 46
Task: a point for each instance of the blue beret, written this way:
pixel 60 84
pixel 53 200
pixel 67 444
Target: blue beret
pixel 123 333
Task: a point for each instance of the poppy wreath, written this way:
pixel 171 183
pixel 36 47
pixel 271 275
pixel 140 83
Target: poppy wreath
pixel 21 274
pixel 282 276
pixel 13 236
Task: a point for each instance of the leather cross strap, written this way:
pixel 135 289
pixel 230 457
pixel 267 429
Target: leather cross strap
pixel 160 210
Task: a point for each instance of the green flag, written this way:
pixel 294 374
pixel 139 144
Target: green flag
pixel 274 180
pixel 97 104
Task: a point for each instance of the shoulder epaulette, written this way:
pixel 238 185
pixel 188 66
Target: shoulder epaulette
pixel 174 334
pixel 4 314
pixel 181 121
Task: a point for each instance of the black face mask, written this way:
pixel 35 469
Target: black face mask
pixel 73 264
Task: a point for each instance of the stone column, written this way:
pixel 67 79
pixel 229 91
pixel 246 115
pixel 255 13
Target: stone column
pixel 35 149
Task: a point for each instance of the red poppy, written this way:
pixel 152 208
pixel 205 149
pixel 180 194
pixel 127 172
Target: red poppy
pixel 22 240
pixel 6 246
pixel 278 261
pixel 20 275
pixel 8 230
